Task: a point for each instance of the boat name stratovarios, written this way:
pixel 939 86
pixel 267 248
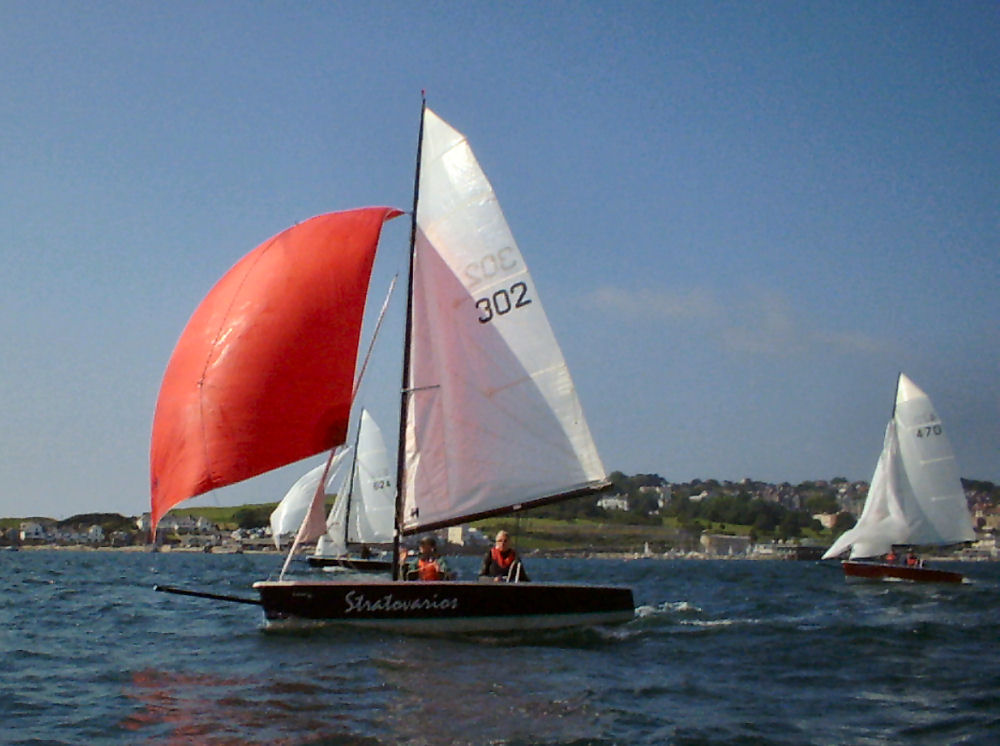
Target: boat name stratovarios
pixel 359 602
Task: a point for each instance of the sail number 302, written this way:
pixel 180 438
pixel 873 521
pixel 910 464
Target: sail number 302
pixel 502 302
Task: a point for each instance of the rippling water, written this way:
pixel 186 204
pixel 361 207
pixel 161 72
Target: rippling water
pixel 733 652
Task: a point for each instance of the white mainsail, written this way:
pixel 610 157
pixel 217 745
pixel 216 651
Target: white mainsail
pixel 492 416
pixel 365 507
pixel 916 495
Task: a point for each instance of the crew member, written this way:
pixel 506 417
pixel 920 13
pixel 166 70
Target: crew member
pixel 501 562
pixel 429 566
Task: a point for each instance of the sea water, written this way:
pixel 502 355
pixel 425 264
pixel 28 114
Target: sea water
pixel 720 652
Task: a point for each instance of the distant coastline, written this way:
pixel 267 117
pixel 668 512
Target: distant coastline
pixel 642 515
pixel 586 554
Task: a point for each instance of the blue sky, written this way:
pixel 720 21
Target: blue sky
pixel 744 218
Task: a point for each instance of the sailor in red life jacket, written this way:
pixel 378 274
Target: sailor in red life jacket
pixel 501 563
pixel 428 565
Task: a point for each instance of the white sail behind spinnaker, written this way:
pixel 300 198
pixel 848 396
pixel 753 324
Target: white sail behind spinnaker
pixel 365 507
pixel 334 542
pixel 287 517
pixel 493 419
pixel 916 495
pixel 371 519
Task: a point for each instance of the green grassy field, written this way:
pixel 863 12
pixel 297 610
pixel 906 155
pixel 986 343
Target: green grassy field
pixel 547 534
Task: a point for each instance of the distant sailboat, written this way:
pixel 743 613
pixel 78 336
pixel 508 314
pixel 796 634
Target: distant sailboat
pixel 490 421
pixel 915 498
pixel 363 487
pixel 291 511
pixel 363 513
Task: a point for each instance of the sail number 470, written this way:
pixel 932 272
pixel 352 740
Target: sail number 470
pixel 928 430
pixel 502 302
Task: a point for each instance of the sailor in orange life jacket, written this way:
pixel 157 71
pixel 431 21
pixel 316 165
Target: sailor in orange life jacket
pixel 428 565
pixel 502 563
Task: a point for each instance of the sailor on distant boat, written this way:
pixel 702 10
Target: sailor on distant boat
pixel 501 562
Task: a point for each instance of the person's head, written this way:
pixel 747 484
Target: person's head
pixel 428 545
pixel 503 540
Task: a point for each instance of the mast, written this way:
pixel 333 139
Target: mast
pixel 895 396
pixel 350 481
pixel 405 389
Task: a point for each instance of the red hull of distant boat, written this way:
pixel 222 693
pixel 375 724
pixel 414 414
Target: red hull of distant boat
pixel 883 571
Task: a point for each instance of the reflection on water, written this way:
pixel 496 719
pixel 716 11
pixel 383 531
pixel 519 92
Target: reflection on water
pixel 473 693
pixel 413 691
pixel 190 705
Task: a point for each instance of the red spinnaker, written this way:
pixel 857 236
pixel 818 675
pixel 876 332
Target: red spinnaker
pixel 263 373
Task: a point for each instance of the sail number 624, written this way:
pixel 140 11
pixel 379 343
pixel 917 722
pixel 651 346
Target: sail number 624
pixel 502 302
